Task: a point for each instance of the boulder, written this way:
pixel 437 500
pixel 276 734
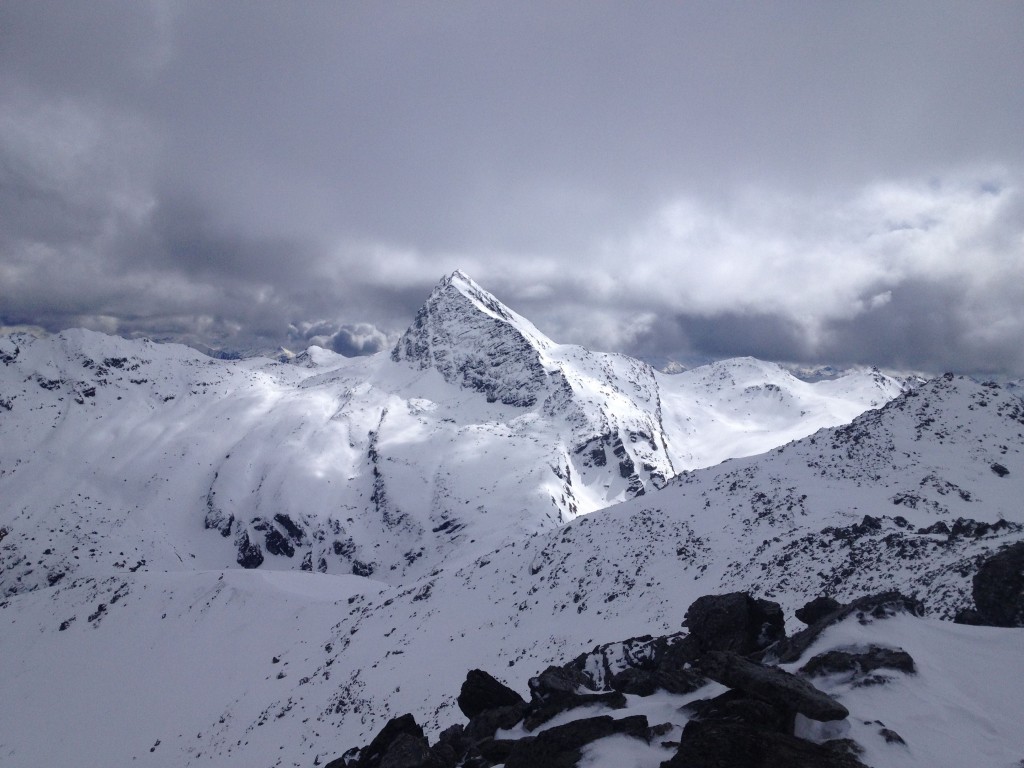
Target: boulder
pixel 771 684
pixel 556 683
pixel 816 609
pixel 735 622
pixel 560 747
pixel 717 744
pixel 481 692
pixel 999 588
pixel 857 665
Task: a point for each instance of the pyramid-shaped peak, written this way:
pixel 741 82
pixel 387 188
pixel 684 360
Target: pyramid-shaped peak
pixel 459 285
pixel 474 340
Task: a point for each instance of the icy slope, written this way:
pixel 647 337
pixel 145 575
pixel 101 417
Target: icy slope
pixel 476 431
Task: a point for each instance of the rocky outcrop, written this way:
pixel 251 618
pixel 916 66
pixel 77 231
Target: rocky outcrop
pixel 400 744
pixel 771 684
pixel 751 725
pixel 998 590
pixel 558 689
pixel 481 692
pixel 858 666
pixel 866 608
pixel 718 744
pixel 560 747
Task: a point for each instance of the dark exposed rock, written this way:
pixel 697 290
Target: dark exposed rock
pixel 558 689
pixel 716 744
pixel 359 568
pixel 999 588
pixel 538 714
pixel 891 737
pixel 975 529
pixel 817 609
pixel 857 664
pixel 558 683
pixel 406 751
pixel 277 544
pixel 771 684
pixel 734 622
pixel 400 744
pixel 645 653
pixel 249 553
pixel 559 747
pixel 451 746
pixel 878 606
pixel 293 530
pixel 738 707
pixel 481 692
pixel 487 723
pixel 644 682
pixel 445 755
pixel 969 616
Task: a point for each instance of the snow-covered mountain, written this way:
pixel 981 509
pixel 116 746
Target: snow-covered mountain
pixel 474 431
pixel 436 496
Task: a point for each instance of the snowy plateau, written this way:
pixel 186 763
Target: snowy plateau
pixel 262 563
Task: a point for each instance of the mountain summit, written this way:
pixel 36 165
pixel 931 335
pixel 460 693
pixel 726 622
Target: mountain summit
pixel 476 342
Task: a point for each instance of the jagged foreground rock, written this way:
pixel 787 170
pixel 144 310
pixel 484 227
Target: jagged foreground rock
pixel 752 725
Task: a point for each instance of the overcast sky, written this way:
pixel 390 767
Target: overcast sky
pixel 798 181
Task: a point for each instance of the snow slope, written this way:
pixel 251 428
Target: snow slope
pixel 789 524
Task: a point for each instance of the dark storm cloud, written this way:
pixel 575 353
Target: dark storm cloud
pixel 768 337
pixel 758 180
pixel 924 327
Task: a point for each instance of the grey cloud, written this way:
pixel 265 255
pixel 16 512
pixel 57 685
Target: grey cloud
pixel 350 340
pixel 356 340
pixel 224 171
pixel 927 326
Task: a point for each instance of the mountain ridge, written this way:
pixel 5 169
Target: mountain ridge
pixel 377 466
